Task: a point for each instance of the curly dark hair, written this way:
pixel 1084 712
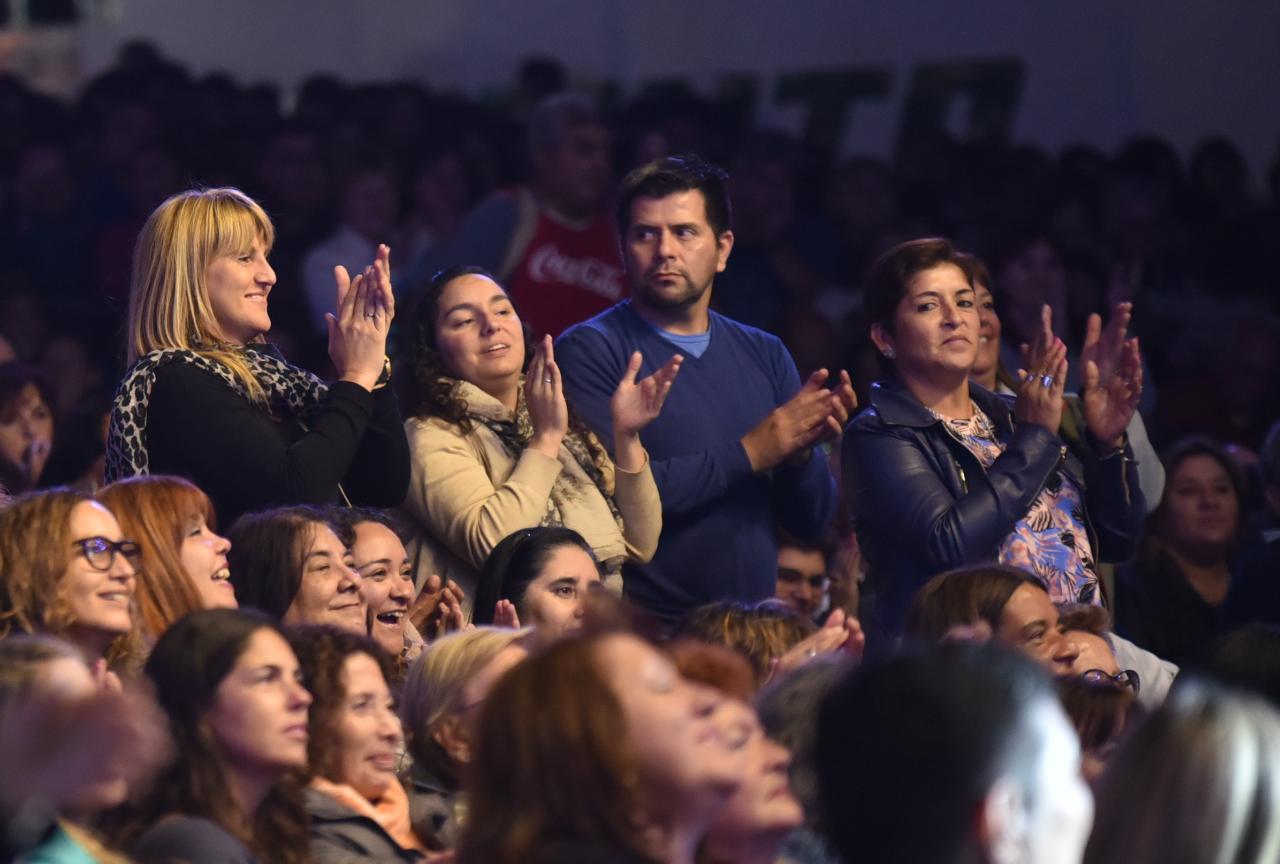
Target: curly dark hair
pixel 322 652
pixel 431 390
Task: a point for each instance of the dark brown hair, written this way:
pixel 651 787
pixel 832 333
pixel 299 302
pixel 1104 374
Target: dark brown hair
pixel 187 665
pixel 671 176
pixel 1098 710
pixel 322 652
pixel 268 550
pixel 887 281
pixel 431 390
pixel 551 762
pixel 1155 533
pixel 963 597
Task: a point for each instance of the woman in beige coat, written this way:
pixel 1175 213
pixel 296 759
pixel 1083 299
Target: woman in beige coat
pixel 495 449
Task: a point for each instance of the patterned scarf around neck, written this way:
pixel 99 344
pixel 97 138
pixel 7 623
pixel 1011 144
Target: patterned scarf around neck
pixel 515 435
pixel 290 391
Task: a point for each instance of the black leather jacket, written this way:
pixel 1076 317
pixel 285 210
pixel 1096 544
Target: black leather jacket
pixel 922 503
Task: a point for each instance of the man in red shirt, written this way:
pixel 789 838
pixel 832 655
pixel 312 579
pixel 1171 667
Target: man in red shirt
pixel 551 243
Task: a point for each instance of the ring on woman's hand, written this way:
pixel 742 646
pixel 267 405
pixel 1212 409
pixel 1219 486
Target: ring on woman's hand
pixel 1046 380
pixel 548 380
pixel 812 652
pixel 371 314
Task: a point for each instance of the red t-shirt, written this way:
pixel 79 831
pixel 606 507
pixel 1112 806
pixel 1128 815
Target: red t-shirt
pixel 567 274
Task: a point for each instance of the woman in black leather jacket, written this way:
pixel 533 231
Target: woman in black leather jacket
pixel 941 473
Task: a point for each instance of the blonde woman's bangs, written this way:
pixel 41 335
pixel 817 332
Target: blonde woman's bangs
pixel 169 304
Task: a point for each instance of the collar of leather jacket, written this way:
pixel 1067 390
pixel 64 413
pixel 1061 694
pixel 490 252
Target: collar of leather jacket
pixel 898 406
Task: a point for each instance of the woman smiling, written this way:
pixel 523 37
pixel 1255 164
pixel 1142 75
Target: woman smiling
pixel 940 472
pixel 495 448
pixel 357 806
pixel 291 564
pixel 207 398
pixel 67 570
pixel 182 560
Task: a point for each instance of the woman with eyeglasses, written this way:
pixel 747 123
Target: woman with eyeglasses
pixel 67 570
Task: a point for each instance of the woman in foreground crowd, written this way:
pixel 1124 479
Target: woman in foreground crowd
pixel 291 564
pixel 495 448
pixel 67 570
pixel 439 706
pixel 50 679
pixel 230 685
pixel 357 806
pixel 208 398
pixel 379 557
pixel 539 577
pixel 1198 781
pixel 598 750
pixel 941 473
pixel 182 561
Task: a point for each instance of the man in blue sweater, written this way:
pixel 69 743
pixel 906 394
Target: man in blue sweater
pixel 735 446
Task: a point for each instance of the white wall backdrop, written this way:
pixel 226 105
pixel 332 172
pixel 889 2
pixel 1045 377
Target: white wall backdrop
pixel 1096 70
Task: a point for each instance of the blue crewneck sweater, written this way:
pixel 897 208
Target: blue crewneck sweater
pixel 718 516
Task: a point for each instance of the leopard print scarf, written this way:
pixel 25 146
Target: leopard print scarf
pixel 290 391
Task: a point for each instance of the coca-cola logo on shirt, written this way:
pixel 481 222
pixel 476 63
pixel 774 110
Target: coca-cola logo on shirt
pixel 549 264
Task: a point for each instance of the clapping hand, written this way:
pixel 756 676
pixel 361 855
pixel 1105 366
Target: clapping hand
pixel 1112 376
pixel 840 633
pixel 358 329
pixel 1042 378
pixel 635 404
pixel 544 396
pixel 812 416
pixel 438 608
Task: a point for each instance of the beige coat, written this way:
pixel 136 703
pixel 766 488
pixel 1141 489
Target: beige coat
pixel 467 493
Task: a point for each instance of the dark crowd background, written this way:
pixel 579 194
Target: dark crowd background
pixel 1188 240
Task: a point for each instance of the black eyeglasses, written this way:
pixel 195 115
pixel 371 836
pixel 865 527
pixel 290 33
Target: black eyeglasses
pixel 793 576
pixel 1124 678
pixel 101 552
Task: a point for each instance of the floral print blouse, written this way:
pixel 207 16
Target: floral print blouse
pixel 1051 541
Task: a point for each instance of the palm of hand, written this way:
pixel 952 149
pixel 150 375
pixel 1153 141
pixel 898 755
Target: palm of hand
pixel 1106 411
pixel 635 404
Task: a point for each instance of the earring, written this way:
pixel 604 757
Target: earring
pixel 888 352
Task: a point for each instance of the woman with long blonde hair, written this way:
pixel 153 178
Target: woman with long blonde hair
pixel 206 397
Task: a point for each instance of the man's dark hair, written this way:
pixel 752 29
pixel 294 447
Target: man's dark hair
pixel 673 175
pixel 912 743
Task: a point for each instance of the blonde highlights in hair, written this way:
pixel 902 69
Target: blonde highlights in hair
pixel 169 304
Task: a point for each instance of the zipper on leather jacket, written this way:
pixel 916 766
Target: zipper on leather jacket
pixel 964 482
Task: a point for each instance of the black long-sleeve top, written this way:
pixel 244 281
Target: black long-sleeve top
pixel 245 459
